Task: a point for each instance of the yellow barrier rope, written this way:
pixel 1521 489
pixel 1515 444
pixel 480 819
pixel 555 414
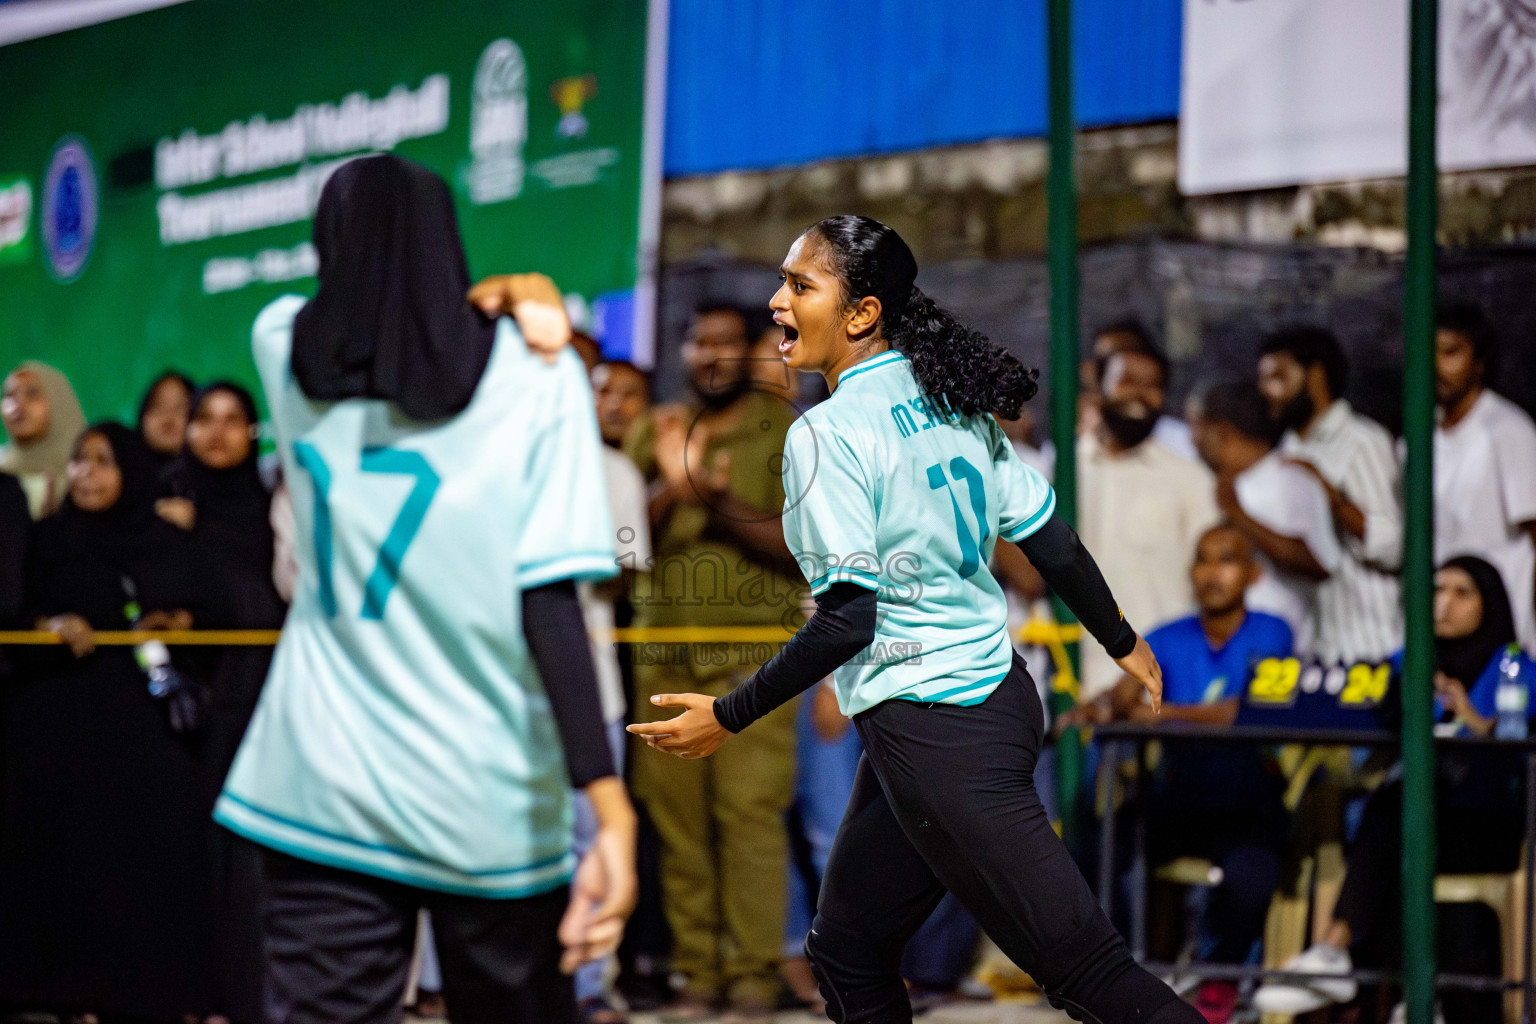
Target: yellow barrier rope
pixel 174 637
pixel 1040 632
pixel 702 635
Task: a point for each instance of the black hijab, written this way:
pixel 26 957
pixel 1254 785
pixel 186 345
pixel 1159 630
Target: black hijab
pixel 1465 658
pixel 232 533
pixel 390 320
pixel 78 560
pixel 118 535
pixel 232 504
pixel 149 396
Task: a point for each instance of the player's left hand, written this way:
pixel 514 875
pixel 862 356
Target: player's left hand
pixel 1141 665
pixel 694 733
pixel 534 301
pixel 605 888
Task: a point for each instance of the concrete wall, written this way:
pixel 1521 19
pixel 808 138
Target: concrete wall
pixel 988 202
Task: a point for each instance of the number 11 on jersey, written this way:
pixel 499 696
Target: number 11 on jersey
pixel 976 487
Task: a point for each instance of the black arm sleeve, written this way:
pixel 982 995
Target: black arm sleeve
pixel 1070 570
pixel 844 624
pixel 557 639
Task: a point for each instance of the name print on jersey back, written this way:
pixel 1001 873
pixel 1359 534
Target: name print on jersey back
pixel 878 470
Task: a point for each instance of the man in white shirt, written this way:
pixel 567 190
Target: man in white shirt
pixel 1485 464
pixel 1281 507
pixel 1302 372
pixel 1140 506
pixel 632 541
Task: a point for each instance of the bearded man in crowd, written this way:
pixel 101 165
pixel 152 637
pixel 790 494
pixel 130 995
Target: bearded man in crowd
pixel 1139 503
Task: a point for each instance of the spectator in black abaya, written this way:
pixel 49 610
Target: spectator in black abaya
pixel 219 498
pixel 1479 815
pixel 163 415
pixel 15 524
pixel 103 852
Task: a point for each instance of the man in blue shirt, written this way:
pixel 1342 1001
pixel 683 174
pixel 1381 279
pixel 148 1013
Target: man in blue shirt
pixel 1217 802
pixel 1208 658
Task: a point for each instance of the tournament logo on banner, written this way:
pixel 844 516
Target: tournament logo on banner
pixel 69 209
pixel 498 123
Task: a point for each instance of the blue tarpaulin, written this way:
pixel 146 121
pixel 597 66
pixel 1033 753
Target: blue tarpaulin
pixel 765 83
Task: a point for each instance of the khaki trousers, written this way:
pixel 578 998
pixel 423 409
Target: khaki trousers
pixel 724 849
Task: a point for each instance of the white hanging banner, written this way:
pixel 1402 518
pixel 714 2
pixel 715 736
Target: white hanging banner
pixel 1285 92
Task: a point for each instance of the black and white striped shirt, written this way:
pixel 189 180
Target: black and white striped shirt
pixel 1359 608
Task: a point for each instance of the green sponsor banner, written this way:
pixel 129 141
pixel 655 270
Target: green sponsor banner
pixel 158 173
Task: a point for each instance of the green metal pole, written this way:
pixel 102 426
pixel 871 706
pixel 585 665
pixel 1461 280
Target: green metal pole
pixel 1419 288
pixel 1061 247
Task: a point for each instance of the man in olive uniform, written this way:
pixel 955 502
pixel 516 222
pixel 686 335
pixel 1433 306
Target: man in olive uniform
pixel 720 560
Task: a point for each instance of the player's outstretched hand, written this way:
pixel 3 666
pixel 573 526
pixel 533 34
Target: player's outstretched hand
pixel 534 301
pixel 1141 665
pixel 605 888
pixel 694 733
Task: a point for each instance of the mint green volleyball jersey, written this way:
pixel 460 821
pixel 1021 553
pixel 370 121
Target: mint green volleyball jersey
pixel 404 731
pixel 885 493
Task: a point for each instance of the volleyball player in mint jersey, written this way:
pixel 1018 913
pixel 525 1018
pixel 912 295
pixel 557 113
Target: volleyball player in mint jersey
pixel 432 699
pixel 898 488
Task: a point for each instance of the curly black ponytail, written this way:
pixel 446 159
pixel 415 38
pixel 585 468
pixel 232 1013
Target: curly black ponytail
pixel 958 367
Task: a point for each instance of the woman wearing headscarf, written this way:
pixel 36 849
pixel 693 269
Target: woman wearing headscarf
pixel 42 419
pixel 15 526
pixel 103 853
pixel 163 415
pixel 217 496
pixel 1479 801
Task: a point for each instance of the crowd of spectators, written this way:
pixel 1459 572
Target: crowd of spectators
pixel 1267 522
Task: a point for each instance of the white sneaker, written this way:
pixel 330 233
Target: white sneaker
pixel 1322 959
pixel 1400 1014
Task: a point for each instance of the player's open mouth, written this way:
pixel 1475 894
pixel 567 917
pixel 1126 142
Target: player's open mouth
pixel 790 337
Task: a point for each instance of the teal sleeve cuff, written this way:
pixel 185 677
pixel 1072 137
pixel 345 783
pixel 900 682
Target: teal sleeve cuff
pixel 1034 522
pixel 844 574
pixel 581 565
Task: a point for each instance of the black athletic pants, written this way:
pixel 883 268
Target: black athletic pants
pixel 945 800
pixel 339 948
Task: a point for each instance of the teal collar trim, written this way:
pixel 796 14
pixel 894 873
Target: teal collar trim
pixel 883 359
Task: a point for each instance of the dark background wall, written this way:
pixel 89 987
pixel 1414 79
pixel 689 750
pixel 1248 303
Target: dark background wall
pixel 1209 305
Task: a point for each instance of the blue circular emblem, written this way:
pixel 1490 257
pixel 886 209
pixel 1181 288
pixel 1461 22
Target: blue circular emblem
pixel 69 208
